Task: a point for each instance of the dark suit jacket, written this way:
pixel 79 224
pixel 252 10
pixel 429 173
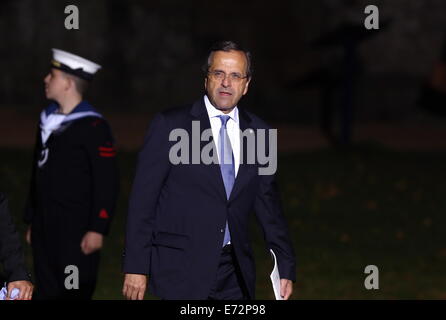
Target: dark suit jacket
pixel 177 213
pixel 11 254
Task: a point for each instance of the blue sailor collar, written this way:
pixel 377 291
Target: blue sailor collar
pixel 51 121
pixel 83 109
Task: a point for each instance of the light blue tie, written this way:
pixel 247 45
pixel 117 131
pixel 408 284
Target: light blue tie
pixel 226 165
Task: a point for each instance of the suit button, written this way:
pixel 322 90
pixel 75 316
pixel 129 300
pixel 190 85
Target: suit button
pixel 222 230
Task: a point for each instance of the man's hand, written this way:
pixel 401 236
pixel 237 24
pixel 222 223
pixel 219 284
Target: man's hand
pixel 26 289
pixel 28 235
pixel 91 242
pixel 286 288
pixel 134 286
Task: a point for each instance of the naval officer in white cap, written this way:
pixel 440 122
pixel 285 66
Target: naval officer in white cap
pixel 74 183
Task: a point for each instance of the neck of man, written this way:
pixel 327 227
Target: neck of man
pixel 68 103
pixel 226 111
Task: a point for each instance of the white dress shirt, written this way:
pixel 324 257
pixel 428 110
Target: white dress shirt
pixel 232 127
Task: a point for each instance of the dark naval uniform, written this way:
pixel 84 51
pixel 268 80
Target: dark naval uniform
pixel 74 187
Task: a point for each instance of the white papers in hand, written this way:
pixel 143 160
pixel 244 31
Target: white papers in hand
pixel 275 278
pixel 14 294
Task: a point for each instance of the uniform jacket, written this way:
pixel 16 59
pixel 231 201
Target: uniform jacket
pixel 73 190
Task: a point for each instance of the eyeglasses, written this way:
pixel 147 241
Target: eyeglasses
pixel 221 75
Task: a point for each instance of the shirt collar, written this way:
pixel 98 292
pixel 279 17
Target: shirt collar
pixel 214 112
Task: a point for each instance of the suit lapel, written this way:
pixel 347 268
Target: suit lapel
pixel 244 167
pixel 199 112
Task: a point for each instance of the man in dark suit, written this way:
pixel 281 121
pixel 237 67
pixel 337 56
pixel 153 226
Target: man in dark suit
pixel 187 227
pixel 11 255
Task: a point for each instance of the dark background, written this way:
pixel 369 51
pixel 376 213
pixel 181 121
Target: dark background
pixel 152 51
pixel 360 115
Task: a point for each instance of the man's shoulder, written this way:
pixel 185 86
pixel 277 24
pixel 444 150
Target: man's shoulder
pixel 91 121
pixel 174 116
pixel 167 119
pixel 89 129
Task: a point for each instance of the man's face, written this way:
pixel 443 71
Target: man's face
pixel 224 92
pixel 55 84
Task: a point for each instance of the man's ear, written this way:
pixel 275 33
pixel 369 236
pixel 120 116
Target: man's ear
pixel 205 83
pixel 246 86
pixel 73 84
pixel 69 83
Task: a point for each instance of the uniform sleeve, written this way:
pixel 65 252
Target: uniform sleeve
pixel 11 254
pixel 105 178
pixel 30 202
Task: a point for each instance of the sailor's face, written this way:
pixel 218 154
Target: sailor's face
pixel 55 84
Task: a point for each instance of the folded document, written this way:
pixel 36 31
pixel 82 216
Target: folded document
pixel 275 277
pixel 4 293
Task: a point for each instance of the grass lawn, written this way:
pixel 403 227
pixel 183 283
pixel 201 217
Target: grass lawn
pixel 346 210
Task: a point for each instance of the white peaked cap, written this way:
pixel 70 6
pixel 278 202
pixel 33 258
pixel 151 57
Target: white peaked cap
pixel 74 62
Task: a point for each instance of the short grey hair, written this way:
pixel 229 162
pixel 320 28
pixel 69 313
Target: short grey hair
pixel 227 46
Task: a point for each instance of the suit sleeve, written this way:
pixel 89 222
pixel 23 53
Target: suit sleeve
pixel 11 254
pixel 268 209
pixel 152 169
pixel 104 172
